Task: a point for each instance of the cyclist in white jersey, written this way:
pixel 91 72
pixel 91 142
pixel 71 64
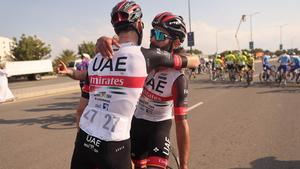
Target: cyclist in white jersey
pixel 295 64
pixel 284 61
pixel 114 87
pixel 165 90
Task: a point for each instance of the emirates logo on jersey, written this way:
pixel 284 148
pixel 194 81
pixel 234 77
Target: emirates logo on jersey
pixel 106 81
pixel 120 81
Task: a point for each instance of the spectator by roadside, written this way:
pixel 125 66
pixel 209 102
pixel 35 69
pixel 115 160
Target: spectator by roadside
pixel 83 65
pixel 5 93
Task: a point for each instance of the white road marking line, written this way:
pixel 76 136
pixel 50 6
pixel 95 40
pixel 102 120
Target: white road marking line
pixel 194 106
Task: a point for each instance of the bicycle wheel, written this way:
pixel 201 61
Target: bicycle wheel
pixel 260 76
pixel 297 78
pixel 278 77
pixel 273 68
pixel 231 75
pixel 248 79
pixel 211 75
pixel 173 159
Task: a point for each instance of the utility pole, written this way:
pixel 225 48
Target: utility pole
pixel 280 44
pixel 251 43
pixel 190 33
pixel 217 40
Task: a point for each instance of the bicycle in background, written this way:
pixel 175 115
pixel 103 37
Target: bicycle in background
pixel 297 76
pixel 248 75
pixel 267 75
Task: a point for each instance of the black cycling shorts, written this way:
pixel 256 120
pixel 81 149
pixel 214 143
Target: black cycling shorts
pixel 93 153
pixel 150 142
pixel 230 66
pixel 240 67
pixel 250 67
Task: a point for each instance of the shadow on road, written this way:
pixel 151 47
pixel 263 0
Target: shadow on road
pixel 281 91
pixel 291 88
pixel 272 163
pixel 54 122
pixel 55 106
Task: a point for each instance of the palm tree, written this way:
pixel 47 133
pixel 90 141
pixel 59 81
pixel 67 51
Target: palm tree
pixel 66 56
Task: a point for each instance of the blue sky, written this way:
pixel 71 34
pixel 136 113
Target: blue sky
pixel 66 23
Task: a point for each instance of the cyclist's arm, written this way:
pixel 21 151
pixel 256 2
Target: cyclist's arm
pixel 158 58
pixel 263 61
pixel 78 75
pixel 84 100
pixel 72 73
pixel 86 88
pixel 179 91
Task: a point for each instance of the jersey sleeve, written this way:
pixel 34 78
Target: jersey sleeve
pixel 86 88
pixel 180 93
pixel 157 58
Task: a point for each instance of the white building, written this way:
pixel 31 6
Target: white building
pixel 6 45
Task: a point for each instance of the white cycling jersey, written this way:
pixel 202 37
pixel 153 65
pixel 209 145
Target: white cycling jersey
pixel 115 85
pixel 114 88
pixel 284 59
pixel 156 102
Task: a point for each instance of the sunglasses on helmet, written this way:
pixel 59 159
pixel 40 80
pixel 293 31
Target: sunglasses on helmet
pixel 159 35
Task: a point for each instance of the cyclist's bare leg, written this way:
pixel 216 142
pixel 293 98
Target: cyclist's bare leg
pixel 240 74
pixel 284 76
pixel 293 74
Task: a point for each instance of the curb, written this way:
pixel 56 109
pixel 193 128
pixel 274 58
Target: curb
pixel 37 91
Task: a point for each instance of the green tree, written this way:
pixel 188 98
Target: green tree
pixel 257 50
pixel 278 52
pixel 297 51
pixel 66 56
pixel 87 47
pixel 194 51
pixel 30 48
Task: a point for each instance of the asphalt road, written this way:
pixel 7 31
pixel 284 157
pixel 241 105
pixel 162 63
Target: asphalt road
pixel 233 127
pixel 47 80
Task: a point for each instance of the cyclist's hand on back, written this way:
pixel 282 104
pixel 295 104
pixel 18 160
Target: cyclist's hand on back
pixel 105 44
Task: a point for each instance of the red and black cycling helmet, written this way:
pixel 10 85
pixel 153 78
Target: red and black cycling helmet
pixel 124 15
pixel 174 24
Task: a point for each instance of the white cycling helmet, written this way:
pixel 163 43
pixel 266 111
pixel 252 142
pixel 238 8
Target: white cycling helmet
pixel 85 55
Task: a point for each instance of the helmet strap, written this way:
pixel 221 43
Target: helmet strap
pixel 139 30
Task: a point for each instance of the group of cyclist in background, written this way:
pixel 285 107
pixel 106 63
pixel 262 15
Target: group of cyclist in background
pixel 288 69
pixel 238 66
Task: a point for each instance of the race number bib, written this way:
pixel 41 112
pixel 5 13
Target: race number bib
pixel 107 126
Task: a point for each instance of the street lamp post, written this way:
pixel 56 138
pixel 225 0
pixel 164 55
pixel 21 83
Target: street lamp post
pixel 281 45
pixel 251 43
pixel 243 19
